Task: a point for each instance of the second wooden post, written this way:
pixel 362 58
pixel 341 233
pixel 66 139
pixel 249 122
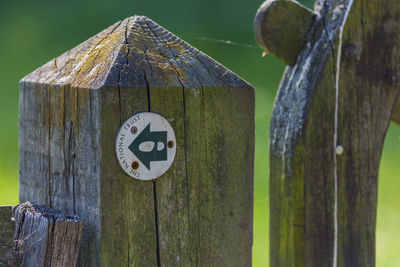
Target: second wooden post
pixel 335 102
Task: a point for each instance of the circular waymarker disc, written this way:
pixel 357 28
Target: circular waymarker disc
pixel 145 146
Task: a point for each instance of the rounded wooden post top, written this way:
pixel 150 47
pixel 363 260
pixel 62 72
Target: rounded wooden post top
pixel 280 27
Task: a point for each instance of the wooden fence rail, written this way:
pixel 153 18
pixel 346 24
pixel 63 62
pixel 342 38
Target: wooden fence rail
pixel 335 102
pixel 200 125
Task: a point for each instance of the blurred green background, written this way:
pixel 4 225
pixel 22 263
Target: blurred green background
pixel 34 32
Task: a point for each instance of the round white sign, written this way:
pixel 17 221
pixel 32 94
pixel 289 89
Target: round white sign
pixel 145 146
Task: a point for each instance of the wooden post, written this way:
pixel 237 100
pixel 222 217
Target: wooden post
pixel 199 213
pixel 8 255
pixel 328 127
pixel 34 235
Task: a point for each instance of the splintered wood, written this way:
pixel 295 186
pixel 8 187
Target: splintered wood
pixel 34 235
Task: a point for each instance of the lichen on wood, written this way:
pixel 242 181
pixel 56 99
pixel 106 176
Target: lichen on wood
pixel 281 28
pixel 46 237
pixel 323 202
pixel 8 255
pixel 34 235
pixel 199 213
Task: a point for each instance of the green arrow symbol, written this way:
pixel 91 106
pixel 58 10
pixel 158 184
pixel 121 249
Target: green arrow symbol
pixel 154 155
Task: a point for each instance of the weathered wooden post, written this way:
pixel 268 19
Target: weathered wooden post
pixel 331 114
pixel 8 256
pixel 199 212
pixel 34 235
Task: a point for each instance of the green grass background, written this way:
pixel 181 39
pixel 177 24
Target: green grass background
pixel 34 32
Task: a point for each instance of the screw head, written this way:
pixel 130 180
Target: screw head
pixel 339 150
pixel 135 165
pixel 170 144
pixel 391 77
pixel 134 130
pixel 350 51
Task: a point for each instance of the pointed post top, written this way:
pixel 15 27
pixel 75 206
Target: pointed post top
pixel 75 149
pixel 134 52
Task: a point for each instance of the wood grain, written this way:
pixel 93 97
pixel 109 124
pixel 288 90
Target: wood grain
pixel 46 237
pixel 396 113
pixel 8 255
pixel 34 235
pixel 200 212
pixel 281 28
pixel 342 91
